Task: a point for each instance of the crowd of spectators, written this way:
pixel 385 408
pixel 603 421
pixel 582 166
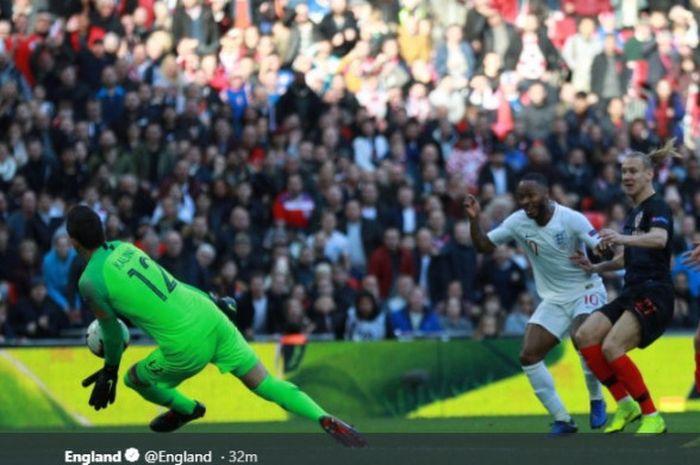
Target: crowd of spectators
pixel 310 158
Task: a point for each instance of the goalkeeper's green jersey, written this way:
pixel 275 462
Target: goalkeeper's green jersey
pixel 122 280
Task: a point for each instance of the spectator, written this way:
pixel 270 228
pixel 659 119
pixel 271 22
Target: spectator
pixel 339 27
pixel 503 277
pixel 243 255
pixel 461 260
pixel 326 318
pixel 538 116
pixel 609 74
pixel 194 28
pixel 685 307
pixel 416 317
pixel 56 269
pixel 388 261
pixel 38 168
pixel 254 315
pixel 576 175
pixel 538 56
pixel 606 188
pixel 69 178
pixel 454 322
pixel 369 147
pixel 8 255
pixel 517 320
pixel 366 321
pixel 110 95
pixel 363 235
pixel 7 331
pixel 336 245
pixel 579 52
pixel 174 259
pixel 430 267
pixel 36 315
pixel 488 328
pixel 294 207
pixel 199 271
pixel 10 74
pixel 405 216
pixel 455 57
pixel 497 173
pixel 105 17
pixel 301 100
pixel 21 223
pixel 502 39
pixel 665 112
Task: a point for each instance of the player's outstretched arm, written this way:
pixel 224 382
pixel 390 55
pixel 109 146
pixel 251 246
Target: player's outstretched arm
pixel 581 260
pixel 481 241
pixel 656 238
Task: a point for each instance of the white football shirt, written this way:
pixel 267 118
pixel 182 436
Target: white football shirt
pixel 549 247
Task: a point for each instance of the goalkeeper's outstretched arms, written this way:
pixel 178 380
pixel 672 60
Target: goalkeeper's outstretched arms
pixel 105 379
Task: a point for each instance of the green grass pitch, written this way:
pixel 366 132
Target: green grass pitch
pixel 677 423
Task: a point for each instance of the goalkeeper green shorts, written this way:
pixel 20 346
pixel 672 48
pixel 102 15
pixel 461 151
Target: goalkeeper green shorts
pixel 225 347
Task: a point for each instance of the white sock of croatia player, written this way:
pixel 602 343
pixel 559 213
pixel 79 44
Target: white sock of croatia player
pixel 543 385
pixel 595 389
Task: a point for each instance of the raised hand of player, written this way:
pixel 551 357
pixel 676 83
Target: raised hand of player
pixel 581 260
pixel 472 207
pixel 105 390
pixel 691 258
pixel 610 237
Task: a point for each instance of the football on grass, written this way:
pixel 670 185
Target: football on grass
pixel 94 340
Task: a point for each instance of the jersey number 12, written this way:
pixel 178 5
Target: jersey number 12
pixel 170 284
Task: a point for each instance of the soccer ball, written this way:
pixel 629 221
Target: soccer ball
pixel 93 337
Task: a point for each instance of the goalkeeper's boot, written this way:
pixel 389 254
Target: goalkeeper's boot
pixel 598 415
pixel 562 428
pixel 172 420
pixel 342 432
pixel 627 412
pixel 652 424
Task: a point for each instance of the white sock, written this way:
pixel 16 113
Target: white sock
pixel 595 389
pixel 543 385
pixel 625 399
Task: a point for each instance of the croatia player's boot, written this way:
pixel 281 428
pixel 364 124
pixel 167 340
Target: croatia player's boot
pixel 342 432
pixel 172 420
pixel 627 412
pixel 652 424
pixel 562 428
pixel 598 415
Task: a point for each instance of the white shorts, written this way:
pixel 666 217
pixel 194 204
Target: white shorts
pixel 557 318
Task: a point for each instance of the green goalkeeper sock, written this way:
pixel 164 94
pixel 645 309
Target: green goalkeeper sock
pixel 289 397
pixel 166 397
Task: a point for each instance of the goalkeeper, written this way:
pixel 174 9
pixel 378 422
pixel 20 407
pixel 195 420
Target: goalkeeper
pixel 188 326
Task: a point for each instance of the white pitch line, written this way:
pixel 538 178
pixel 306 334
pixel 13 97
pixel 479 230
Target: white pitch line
pixel 42 386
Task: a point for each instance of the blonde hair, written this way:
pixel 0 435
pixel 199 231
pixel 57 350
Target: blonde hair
pixel 657 157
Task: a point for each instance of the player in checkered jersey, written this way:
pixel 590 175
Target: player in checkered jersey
pixel 644 308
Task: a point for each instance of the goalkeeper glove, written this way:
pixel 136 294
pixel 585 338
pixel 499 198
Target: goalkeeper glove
pixel 105 390
pixel 228 305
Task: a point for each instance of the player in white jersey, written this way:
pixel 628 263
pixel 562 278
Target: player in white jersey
pixel 550 234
